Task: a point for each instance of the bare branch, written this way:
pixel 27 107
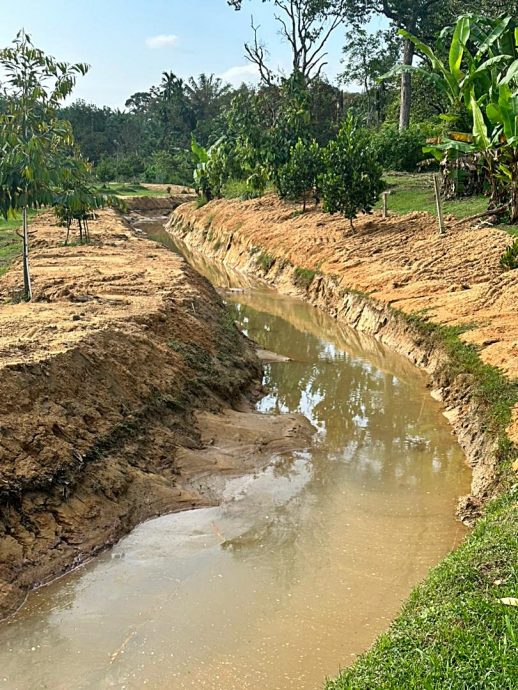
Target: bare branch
pixel 257 54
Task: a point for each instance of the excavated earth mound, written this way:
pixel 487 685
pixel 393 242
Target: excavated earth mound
pixel 103 378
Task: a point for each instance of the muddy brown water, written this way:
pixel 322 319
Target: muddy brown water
pixel 304 562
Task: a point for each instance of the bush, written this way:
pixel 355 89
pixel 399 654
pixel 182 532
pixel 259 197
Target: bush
pixel 509 259
pixel 352 179
pixel 298 177
pixel 235 189
pixel 303 277
pixel 265 261
pixel 106 170
pixel 170 168
pixel 401 151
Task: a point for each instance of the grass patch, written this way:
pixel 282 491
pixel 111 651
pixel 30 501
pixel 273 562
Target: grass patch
pixel 235 189
pixel 416 193
pixel 454 633
pixel 265 261
pixel 491 387
pixel 303 277
pixel 130 189
pixel 200 202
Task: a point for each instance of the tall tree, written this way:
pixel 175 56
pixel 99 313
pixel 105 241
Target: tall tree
pixel 368 56
pixel 306 25
pixel 414 16
pixel 31 134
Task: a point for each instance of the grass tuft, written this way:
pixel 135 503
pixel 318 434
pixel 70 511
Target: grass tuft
pixel 265 261
pixel 303 277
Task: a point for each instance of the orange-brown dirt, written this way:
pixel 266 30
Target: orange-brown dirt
pixel 400 261
pixel 102 378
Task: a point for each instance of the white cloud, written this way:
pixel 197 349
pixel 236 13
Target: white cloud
pixel 239 74
pixel 161 41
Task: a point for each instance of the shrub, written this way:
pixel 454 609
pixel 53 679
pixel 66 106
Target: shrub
pixel 401 151
pixel 106 169
pixel 170 168
pixel 298 177
pixel 352 179
pixel 509 259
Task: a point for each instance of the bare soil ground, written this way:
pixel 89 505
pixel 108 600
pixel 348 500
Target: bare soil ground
pixel 401 260
pixel 101 378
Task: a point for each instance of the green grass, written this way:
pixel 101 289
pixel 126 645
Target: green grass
pixel 235 189
pixel 303 277
pixel 129 189
pixel 10 243
pixel 265 261
pixel 415 192
pixel 454 633
pixel 496 393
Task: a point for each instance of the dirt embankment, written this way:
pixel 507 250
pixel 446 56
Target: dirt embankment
pixel 365 276
pixel 102 380
pixel 170 197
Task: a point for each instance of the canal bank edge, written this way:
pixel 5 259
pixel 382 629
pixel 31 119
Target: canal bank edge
pixel 454 631
pixel 482 431
pixel 102 375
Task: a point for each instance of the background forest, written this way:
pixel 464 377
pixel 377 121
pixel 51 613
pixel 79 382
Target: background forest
pixel 150 140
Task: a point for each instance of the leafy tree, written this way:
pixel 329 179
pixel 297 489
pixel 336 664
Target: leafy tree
pixel 299 176
pixel 31 135
pixel 352 178
pixel 400 150
pixel 368 56
pixel 77 199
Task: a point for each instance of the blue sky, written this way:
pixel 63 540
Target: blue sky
pixel 129 43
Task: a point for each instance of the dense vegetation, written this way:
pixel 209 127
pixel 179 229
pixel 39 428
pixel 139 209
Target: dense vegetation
pixel 250 139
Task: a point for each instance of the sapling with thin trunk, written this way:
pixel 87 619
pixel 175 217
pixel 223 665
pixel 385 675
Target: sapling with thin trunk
pixel 32 136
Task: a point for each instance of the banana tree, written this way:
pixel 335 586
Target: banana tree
pixel 475 59
pixel 481 78
pixel 211 167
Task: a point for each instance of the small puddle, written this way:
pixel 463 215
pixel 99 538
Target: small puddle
pixel 302 565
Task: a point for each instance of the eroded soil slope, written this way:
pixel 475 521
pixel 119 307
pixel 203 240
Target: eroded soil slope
pixel 402 261
pixel 102 378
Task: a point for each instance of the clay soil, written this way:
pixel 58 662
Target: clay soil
pixel 118 386
pixel 402 260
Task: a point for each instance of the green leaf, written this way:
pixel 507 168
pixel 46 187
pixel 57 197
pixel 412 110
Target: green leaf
pixel 458 43
pixel 479 126
pixel 495 34
pixel 200 153
pixel 511 73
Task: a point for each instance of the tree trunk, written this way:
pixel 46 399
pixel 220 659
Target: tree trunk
pixel 406 86
pixel 27 287
pixel 514 202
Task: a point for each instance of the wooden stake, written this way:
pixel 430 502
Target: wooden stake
pixel 385 206
pixel 438 203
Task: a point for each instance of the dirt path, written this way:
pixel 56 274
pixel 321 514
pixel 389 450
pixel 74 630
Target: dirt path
pixel 401 261
pixel 101 378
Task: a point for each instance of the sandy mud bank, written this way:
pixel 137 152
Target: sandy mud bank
pixel 117 384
